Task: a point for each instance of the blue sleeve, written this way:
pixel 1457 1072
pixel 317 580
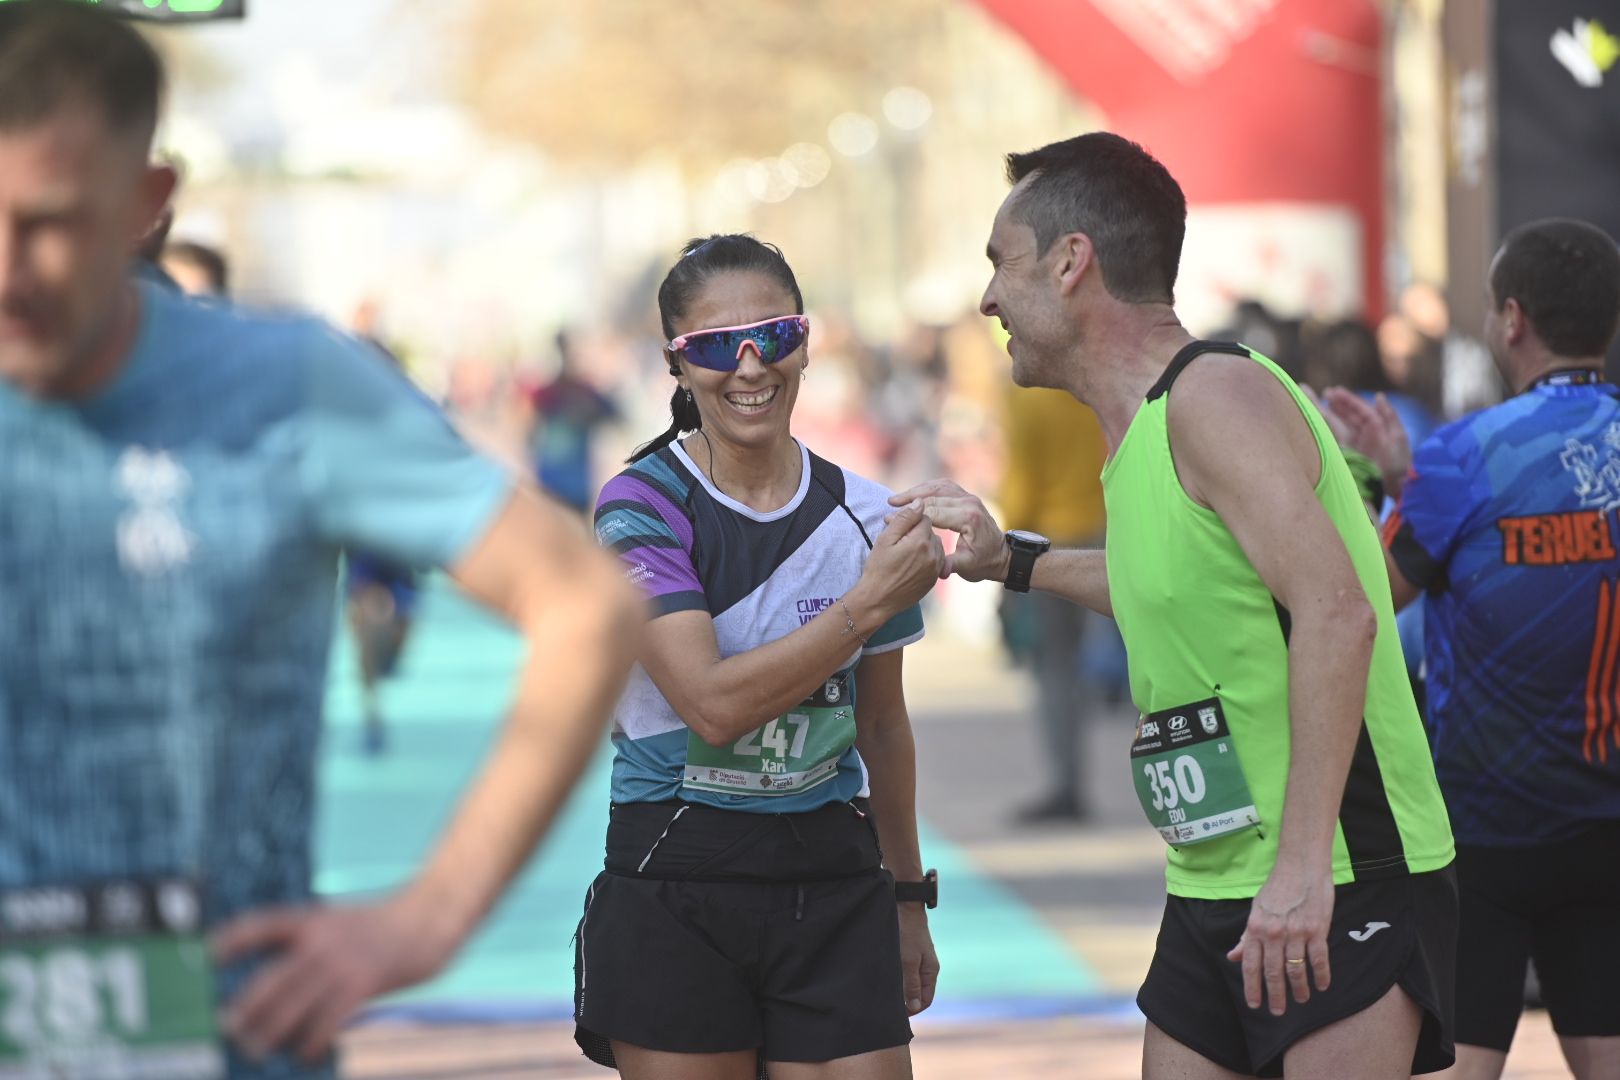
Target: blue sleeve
pixel 1437 501
pixel 383 469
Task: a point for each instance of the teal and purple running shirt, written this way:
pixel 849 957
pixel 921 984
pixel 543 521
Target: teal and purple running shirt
pixel 1508 522
pixel 168 572
pixel 690 547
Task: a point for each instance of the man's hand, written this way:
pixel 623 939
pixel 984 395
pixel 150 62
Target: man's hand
pixel 918 960
pixel 981 547
pixel 1286 935
pixel 1372 429
pixel 325 964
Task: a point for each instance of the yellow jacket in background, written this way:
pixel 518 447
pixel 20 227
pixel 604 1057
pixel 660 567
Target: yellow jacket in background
pixel 1055 455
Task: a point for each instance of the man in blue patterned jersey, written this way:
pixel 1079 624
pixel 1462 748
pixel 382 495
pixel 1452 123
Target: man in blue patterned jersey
pixel 176 481
pixel 1507 524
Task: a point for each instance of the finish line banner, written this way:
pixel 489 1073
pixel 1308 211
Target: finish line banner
pixel 174 11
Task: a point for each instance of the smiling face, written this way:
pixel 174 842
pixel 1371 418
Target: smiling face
pixel 1024 296
pixel 748 408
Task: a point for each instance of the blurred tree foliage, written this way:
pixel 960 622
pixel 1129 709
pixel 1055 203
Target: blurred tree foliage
pixel 606 81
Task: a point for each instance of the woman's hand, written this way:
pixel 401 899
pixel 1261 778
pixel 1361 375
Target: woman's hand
pixel 906 560
pixel 918 961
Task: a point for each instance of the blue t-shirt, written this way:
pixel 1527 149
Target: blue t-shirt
pixel 759 576
pixel 1508 522
pixel 168 567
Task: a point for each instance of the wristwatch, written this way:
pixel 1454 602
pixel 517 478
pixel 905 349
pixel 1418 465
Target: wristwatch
pixel 925 891
pixel 1026 547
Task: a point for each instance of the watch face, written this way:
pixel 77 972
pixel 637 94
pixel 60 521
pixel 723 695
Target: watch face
pixel 1027 538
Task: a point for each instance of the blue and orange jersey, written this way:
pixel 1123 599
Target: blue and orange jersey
pixel 1508 522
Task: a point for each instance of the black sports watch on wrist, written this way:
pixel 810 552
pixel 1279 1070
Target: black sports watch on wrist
pixel 924 892
pixel 1026 547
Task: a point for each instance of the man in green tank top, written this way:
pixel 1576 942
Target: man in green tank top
pixel 1310 926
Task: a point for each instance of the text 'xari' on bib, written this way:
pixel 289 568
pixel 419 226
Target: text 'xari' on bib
pixel 790 754
pixel 1188 776
pixel 108 982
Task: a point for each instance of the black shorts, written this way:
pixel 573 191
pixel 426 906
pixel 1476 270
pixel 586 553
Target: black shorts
pixel 1407 928
pixel 1558 903
pixel 722 931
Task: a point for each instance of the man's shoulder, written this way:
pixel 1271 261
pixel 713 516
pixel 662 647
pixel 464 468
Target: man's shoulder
pixel 1215 383
pixel 1223 401
pixel 254 344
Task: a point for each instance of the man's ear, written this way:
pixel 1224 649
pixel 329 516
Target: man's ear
pixel 157 186
pixel 1515 324
pixel 1074 256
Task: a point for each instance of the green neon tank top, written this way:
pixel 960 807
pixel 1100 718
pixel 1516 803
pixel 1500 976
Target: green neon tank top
pixel 1199 623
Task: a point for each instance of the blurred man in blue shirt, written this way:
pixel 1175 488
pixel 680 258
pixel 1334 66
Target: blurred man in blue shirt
pixel 176 481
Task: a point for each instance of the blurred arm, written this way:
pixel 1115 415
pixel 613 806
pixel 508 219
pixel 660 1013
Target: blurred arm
pixel 579 618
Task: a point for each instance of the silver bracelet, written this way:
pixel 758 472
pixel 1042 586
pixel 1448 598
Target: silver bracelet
pixel 849 622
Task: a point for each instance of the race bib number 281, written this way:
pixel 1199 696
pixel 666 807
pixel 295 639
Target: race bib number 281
pixel 111 982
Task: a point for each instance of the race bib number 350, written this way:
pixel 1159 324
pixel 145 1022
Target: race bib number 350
pixel 1187 774
pixel 106 983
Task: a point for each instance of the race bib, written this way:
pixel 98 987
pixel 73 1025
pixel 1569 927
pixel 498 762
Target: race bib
pixel 110 982
pixel 1188 776
pixel 790 754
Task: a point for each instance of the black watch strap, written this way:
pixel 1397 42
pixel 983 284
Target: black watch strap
pixel 1020 567
pixel 924 892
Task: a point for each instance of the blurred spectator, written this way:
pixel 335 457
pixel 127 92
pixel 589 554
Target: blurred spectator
pixel 568 410
pixel 1412 361
pixel 910 401
pixel 1053 486
pixel 1468 378
pixel 1277 338
pixel 198 269
pixel 381 594
pixel 832 412
pixel 1347 354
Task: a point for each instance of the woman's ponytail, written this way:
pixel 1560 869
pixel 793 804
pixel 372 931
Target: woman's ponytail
pixel 684 417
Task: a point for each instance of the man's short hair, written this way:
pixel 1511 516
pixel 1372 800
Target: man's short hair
pixel 1565 274
pixel 56 52
pixel 1118 195
pixel 211 261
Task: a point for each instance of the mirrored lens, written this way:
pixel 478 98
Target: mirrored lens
pixel 718 350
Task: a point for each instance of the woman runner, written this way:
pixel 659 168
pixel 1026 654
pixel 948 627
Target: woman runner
pixel 746 922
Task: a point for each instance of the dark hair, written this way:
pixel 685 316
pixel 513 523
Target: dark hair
pixel 1344 353
pixel 1565 274
pixel 55 51
pixel 1118 195
pixel 701 259
pixel 210 261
